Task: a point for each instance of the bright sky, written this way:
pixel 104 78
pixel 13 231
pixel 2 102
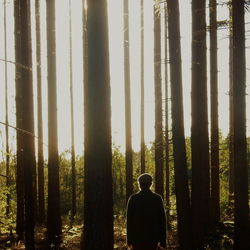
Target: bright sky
pixel 115 8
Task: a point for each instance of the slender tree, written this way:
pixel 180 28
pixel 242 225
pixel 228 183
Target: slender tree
pixel 158 104
pixel 179 147
pixel 231 151
pixel 54 224
pixel 19 124
pixel 85 40
pixel 199 129
pixel 241 212
pixel 41 203
pixel 6 113
pixel 98 201
pixel 143 164
pixel 167 196
pixel 128 133
pixel 73 168
pixel 215 174
pixel 28 146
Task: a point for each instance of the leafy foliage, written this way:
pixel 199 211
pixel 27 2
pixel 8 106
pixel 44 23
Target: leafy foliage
pixel 6 222
pixel 72 233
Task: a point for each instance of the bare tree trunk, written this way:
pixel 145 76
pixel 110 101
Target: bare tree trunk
pixel 41 203
pixel 29 162
pixel 215 168
pixel 19 124
pixel 128 133
pixel 179 147
pixel 241 212
pixel 199 129
pixel 159 179
pixel 85 41
pixel 231 151
pixel 73 168
pixel 143 164
pixel 98 199
pixel 6 113
pixel 166 118
pixel 54 223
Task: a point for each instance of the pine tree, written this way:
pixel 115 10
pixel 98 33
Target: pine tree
pixel 19 124
pixel 241 210
pixel 6 113
pixel 41 202
pixel 231 151
pixel 54 223
pixel 98 201
pixel 167 196
pixel 27 115
pixel 159 181
pixel 73 168
pixel 128 132
pixel 200 196
pixel 179 147
pixel 143 164
pixel 215 174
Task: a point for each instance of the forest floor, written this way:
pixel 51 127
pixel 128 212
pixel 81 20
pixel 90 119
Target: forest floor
pixel 218 239
pixel 72 238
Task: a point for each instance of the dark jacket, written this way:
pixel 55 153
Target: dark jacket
pixel 146 220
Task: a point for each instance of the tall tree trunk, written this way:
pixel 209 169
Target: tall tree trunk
pixel 54 224
pixel 143 164
pixel 19 124
pixel 179 147
pixel 41 203
pixel 85 41
pixel 98 201
pixel 199 129
pixel 73 167
pixel 241 213
pixel 166 117
pixel 158 105
pixel 28 122
pixel 128 134
pixel 6 113
pixel 231 157
pixel 215 174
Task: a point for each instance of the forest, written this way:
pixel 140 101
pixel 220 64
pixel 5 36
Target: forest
pixel 96 92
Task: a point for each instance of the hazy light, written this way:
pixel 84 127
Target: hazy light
pixel 115 8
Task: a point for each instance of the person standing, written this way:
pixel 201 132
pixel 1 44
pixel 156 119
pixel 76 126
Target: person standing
pixel 146 219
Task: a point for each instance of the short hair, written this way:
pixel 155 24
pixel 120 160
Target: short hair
pixel 145 180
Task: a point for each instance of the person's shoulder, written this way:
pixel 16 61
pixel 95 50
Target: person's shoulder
pixel 133 196
pixel 157 196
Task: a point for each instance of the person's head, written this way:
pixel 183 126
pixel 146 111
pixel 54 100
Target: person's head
pixel 145 181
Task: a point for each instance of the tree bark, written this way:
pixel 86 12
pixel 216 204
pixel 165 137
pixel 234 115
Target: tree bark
pixel 143 164
pixel 179 147
pixel 41 203
pixel 85 41
pixel 29 163
pixel 199 129
pixel 19 124
pixel 241 212
pixel 6 113
pixel 128 132
pixel 215 168
pixel 54 224
pixel 98 201
pixel 73 167
pixel 231 154
pixel 159 181
pixel 167 196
